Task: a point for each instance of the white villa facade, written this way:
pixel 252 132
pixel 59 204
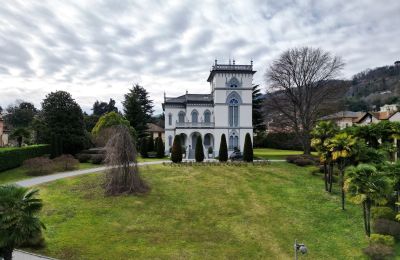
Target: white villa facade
pixel 226 110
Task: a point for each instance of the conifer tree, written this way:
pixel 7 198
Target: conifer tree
pixel 199 152
pixel 150 144
pixel 248 149
pixel 160 147
pixel 223 150
pixel 143 148
pixel 176 153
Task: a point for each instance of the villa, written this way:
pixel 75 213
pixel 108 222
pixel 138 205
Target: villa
pixel 226 110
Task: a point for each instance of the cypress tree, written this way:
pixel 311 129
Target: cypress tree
pixel 150 144
pixel 248 149
pixel 199 152
pixel 176 153
pixel 223 150
pixel 160 147
pixel 143 148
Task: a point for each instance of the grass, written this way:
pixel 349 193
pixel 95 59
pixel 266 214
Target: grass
pixel 220 212
pixel 274 154
pixel 19 173
pixel 141 159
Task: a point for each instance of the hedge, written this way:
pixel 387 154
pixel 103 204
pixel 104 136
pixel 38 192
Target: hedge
pixel 12 158
pixel 280 140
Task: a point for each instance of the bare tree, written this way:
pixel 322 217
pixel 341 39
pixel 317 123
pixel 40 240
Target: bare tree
pixel 300 83
pixel 123 174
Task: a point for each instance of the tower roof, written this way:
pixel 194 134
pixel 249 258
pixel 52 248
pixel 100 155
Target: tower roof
pixel 226 68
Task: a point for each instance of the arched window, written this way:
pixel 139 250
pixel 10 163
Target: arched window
pixel 169 119
pixel 207 116
pixel 195 116
pixel 233 112
pixel 233 83
pixel 181 117
pixel 233 141
pixel 207 139
pixel 170 140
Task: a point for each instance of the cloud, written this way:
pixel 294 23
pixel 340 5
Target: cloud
pixel 98 49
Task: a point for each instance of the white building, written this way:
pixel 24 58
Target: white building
pixel 226 110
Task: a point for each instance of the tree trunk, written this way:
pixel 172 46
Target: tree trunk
pixel 306 144
pixel 326 176
pixel 330 176
pixel 368 217
pixel 365 217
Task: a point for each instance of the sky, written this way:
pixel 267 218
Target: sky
pixel 97 50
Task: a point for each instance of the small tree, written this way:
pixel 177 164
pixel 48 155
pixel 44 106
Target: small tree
pixel 20 134
pixel 143 148
pixel 160 147
pixel 199 152
pixel 366 186
pixel 123 173
pixel 223 150
pixel 248 149
pixel 150 144
pixel 176 153
pixel 19 221
pixel 341 147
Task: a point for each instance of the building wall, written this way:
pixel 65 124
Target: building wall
pixel 395 117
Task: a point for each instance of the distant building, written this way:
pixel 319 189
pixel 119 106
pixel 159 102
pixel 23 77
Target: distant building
pixel 397 63
pixel 3 133
pixel 156 131
pixel 344 118
pixel 389 108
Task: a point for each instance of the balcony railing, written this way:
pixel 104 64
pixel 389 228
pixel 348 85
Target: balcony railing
pixel 232 67
pixel 195 125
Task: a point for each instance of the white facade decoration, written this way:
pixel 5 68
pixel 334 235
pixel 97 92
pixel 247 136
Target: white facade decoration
pixel 226 110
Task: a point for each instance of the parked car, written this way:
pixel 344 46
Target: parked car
pixel 236 156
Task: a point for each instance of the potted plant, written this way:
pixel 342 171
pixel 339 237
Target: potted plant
pixel 210 152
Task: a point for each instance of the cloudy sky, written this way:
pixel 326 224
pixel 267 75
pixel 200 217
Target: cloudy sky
pixel 98 49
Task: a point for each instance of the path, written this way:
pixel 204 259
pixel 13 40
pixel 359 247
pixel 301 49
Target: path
pixel 23 255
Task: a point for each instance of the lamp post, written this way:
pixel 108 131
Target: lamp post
pixel 299 247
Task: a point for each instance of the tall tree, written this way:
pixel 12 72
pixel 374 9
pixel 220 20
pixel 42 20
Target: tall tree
pixel 121 157
pixel 63 118
pixel 101 108
pixel 300 82
pixel 160 148
pixel 199 151
pixel 223 150
pixel 176 153
pixel 258 118
pixel 138 109
pixel 366 186
pixel 20 115
pixel 19 221
pixel 248 149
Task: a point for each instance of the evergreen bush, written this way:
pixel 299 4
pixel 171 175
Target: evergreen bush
pixel 248 149
pixel 160 147
pixel 223 150
pixel 150 144
pixel 176 153
pixel 143 148
pixel 199 152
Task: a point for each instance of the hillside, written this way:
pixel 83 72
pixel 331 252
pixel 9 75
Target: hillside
pixel 373 88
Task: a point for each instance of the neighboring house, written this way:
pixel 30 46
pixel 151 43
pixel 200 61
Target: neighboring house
pixel 344 118
pixel 156 131
pixel 3 133
pixel 389 108
pixel 226 110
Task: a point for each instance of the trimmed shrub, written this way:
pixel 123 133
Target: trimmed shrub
pixel 199 152
pixel 176 153
pixel 387 227
pixel 382 239
pixel 383 213
pixel 378 251
pixel 39 166
pixel 223 150
pixel 83 157
pixel 150 144
pixel 12 158
pixel 66 162
pixel 160 147
pixel 303 162
pixel 97 158
pixel 143 148
pixel 248 149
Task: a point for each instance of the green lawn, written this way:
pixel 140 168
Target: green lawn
pixel 141 159
pixel 275 154
pixel 19 173
pixel 212 212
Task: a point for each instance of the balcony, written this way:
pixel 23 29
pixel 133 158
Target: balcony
pixel 232 67
pixel 195 125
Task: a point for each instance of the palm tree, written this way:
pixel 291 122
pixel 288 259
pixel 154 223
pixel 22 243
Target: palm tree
pixel 19 222
pixel 341 147
pixel 366 186
pixel 19 134
pixel 322 132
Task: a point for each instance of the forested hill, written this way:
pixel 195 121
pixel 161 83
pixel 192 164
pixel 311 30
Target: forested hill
pixel 373 88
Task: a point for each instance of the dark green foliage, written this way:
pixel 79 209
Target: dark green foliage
pixel 20 115
pixel 150 144
pixel 285 141
pixel 160 147
pixel 379 251
pixel 387 227
pixel 138 109
pixel 101 108
pixel 223 150
pixel 258 119
pixel 248 149
pixel 90 121
pixel 176 153
pixel 199 152
pixel 302 160
pixel 143 148
pixel 97 158
pixel 14 158
pixel 20 134
pixel 64 118
pixel 56 146
pixel 383 213
pixel 83 157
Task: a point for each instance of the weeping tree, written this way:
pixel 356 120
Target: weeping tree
pixel 366 186
pixel 223 150
pixel 122 177
pixel 322 132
